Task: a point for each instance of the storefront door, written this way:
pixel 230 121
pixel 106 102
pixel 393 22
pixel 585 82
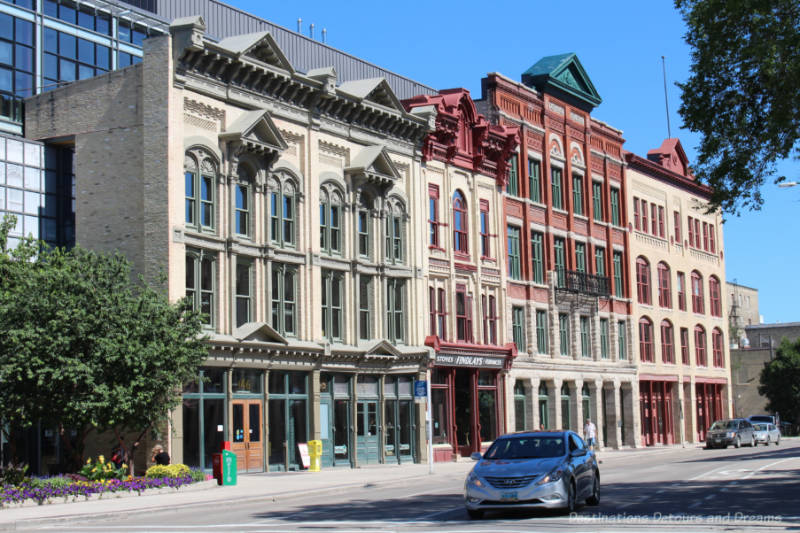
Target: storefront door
pixel 247 435
pixel 367 438
pixel 288 418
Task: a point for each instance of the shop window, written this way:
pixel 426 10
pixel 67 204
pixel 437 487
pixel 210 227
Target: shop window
pixel 246 381
pixel 566 422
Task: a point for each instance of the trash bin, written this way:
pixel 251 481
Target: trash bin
pixel 216 463
pixel 315 453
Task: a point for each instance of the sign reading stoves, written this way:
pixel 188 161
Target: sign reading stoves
pixel 479 361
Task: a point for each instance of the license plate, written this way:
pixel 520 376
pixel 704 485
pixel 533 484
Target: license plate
pixel 509 496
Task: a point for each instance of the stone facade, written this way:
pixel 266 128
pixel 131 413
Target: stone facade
pixel 280 203
pixel 680 307
pixel 742 312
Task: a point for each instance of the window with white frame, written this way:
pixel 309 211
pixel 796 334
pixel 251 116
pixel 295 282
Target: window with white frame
pixel 242 208
pixel 282 211
pixel 201 283
pixel 394 232
pixel 284 299
pixel 244 291
pixel 331 204
pixel 395 298
pixel 332 311
pixel 200 177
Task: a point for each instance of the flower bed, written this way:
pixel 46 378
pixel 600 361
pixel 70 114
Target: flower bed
pixel 10 494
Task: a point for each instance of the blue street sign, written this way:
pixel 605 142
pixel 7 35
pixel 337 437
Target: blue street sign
pixel 420 389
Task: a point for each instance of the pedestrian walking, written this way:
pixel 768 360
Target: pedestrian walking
pixel 590 434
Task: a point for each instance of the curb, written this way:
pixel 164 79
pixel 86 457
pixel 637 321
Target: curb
pixel 107 515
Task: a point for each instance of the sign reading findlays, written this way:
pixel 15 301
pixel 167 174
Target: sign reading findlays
pixel 468 360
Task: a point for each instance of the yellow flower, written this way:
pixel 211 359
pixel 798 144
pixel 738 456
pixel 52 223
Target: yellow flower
pixel 89 461
pixel 124 466
pixel 101 459
pixel 94 469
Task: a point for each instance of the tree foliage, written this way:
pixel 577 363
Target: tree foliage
pixel 780 381
pixel 86 348
pixel 743 95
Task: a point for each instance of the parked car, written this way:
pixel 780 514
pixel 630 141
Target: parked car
pixel 543 469
pixel 766 433
pixel 769 419
pixel 736 431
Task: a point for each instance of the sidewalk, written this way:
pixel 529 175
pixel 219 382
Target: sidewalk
pixel 250 487
pixel 253 487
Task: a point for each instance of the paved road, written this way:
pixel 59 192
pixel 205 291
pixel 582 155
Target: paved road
pixel 671 489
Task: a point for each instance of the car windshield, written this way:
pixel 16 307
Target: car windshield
pixel 526 448
pixel 725 424
pixel 760 427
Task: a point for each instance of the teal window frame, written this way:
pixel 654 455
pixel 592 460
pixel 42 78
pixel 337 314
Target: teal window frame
pixel 597 200
pixel 514 259
pixel 615 218
pixel 622 341
pixel 518 327
pixel 577 194
pixel 600 261
pixel 556 174
pixel 586 336
pixel 604 338
pixel 537 257
pixel 535 180
pixel 559 248
pixel 512 187
pixel 563 334
pixel 541 331
pixel 618 275
pixel 580 257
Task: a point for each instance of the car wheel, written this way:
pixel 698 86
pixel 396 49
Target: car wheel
pixel 752 441
pixel 767 442
pixel 737 442
pixel 570 508
pixel 594 499
pixel 777 442
pixel 475 514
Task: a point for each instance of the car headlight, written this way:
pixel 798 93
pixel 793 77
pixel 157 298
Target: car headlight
pixel 553 476
pixel 731 434
pixel 473 479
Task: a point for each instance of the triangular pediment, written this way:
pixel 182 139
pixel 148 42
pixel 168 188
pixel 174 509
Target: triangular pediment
pixel 564 74
pixel 373 164
pixel 260 46
pixel 382 348
pixel 374 90
pixel 258 332
pixel 256 131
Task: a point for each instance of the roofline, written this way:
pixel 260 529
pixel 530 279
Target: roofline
pixel 666 175
pixel 740 285
pixel 774 325
pixel 318 43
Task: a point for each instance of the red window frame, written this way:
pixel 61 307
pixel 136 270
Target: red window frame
pixel 486 251
pixel 460 240
pixel 712 245
pixel 667 344
pixel 432 310
pixel 661 221
pixel 691 231
pixel 441 313
pixel 664 289
pixel 697 293
pixel 635 213
pixel 697 233
pixel 681 291
pixel 700 346
pixel 685 346
pixel 705 236
pixel 646 340
pixel 489 319
pixel 716 347
pixel 677 227
pixel 463 319
pixel 654 219
pixel 715 303
pixel 433 216
pixel 643 280
pixel 645 227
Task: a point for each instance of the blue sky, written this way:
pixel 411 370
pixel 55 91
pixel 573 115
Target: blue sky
pixel 454 44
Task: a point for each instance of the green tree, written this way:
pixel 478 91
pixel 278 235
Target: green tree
pixel 743 95
pixel 780 381
pixel 86 348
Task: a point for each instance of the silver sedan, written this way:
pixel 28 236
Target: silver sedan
pixel 766 433
pixel 533 470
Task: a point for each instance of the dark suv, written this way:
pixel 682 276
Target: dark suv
pixel 736 431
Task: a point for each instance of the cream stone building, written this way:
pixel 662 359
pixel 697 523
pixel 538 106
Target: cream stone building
pixel 680 312
pixel 279 202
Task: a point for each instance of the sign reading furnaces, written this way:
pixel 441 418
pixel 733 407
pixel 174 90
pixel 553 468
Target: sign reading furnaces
pixel 468 360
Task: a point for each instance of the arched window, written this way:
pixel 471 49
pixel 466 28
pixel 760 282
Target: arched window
pixel 697 292
pixel 520 411
pixel 643 280
pixel 646 340
pixel 394 232
pixel 330 219
pixel 282 209
pixel 700 345
pixel 667 342
pixel 460 242
pixel 243 189
pixel 200 176
pixel 664 286
pixel 565 414
pixel 714 296
pixel 586 400
pixel 716 347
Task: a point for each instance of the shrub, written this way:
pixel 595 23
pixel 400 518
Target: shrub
pixel 102 470
pixel 197 475
pixel 169 471
pixel 12 474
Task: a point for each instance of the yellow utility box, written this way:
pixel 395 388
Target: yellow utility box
pixel 315 452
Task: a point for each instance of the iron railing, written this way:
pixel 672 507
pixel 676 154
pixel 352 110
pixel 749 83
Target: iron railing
pixel 583 283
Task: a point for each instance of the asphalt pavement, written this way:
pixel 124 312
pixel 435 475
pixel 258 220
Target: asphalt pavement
pixel 670 488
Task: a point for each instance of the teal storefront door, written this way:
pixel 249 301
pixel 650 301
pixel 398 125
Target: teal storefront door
pixel 398 419
pixel 288 419
pixel 367 432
